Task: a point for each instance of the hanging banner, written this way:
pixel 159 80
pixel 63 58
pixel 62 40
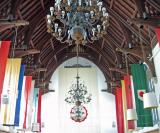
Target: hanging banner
pixel 119 110
pixel 129 101
pixel 10 90
pixel 35 107
pixel 157 30
pixel 4 49
pixel 28 83
pixel 18 102
pixel 22 104
pixel 39 107
pixel 30 106
pixel 140 87
pixel 124 107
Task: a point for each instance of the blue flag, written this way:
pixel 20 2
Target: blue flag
pixel 18 102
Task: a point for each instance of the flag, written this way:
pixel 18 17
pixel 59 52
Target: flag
pixel 18 102
pixel 119 110
pixel 10 88
pixel 35 105
pixel 129 101
pixel 39 107
pixel 4 49
pixel 22 104
pixel 124 106
pixel 140 87
pixel 27 91
pixel 157 30
pixel 30 106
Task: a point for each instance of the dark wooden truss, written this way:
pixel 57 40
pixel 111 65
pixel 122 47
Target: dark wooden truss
pixel 131 29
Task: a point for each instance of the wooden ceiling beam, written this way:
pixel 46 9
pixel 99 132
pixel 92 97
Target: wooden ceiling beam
pixel 111 4
pixel 5 24
pixel 134 52
pixel 15 6
pixel 118 70
pixel 125 23
pixel 127 33
pixel 99 51
pixel 113 47
pixel 140 6
pixel 33 24
pixel 155 4
pixel 42 4
pixel 21 53
pixel 151 21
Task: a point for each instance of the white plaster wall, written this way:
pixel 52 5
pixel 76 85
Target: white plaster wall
pixel 106 103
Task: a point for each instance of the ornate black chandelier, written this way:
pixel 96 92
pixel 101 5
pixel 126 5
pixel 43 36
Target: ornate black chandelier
pixel 78 95
pixel 80 21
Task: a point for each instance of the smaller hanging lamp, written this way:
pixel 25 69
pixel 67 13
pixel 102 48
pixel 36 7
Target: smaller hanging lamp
pixel 149 100
pixel 131 114
pixel 35 127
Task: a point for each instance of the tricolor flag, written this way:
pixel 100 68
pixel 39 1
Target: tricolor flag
pixel 22 104
pixel 27 91
pixel 35 105
pixel 124 106
pixel 140 87
pixel 119 110
pixel 129 98
pixel 4 49
pixel 10 88
pixel 18 102
pixel 157 30
pixel 39 107
pixel 30 106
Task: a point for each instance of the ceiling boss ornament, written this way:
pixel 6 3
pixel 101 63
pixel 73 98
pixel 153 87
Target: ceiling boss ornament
pixel 79 21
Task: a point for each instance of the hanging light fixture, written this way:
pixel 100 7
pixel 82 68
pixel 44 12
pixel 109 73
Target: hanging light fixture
pixel 131 114
pixel 80 21
pixel 78 95
pixel 149 100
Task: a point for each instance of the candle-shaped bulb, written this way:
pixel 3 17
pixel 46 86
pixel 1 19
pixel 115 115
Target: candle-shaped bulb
pixel 63 14
pixel 99 28
pixel 100 5
pixel 59 31
pixel 85 36
pixel 52 10
pixel 90 2
pixel 92 13
pixel 79 2
pixel 103 10
pixel 87 16
pixel 49 21
pixel 69 3
pixel 49 17
pixel 93 31
pixel 69 34
pixel 56 27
